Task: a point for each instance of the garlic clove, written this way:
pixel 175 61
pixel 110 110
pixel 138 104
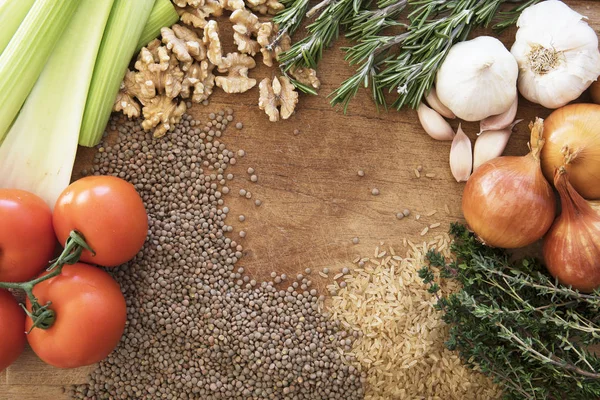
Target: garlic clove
pixel 500 121
pixel 491 144
pixel 461 157
pixel 434 124
pixel 434 102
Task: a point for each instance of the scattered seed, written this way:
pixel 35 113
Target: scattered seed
pixel 250 171
pixel 417 173
pixel 241 153
pixel 242 218
pixel 361 172
pixel 406 212
pixel 296 131
pixel 375 192
pixel 345 271
pixel 433 226
pixel 239 125
pixel 325 270
pixel 343 284
pixel 254 178
pixel 419 168
pixel 242 192
pixel 248 195
pixel 424 231
pixel 399 215
pixel 323 274
pixel 257 202
pixel 355 240
pixel 225 190
pixel 430 175
pixel 242 234
pixel 273 274
pixel 430 213
pixel 418 217
pixel 447 209
pixel 337 276
pixel 307 271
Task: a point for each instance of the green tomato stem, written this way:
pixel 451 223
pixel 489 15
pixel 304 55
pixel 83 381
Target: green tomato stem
pixel 43 317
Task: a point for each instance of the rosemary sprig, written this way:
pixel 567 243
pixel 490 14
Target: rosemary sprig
pixel 321 33
pixel 404 63
pixel 509 18
pixel 516 324
pixel 290 18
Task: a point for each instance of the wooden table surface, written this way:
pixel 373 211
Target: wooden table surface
pixel 314 202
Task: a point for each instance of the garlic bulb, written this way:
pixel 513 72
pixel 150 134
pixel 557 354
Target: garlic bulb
pixel 477 79
pixel 557 52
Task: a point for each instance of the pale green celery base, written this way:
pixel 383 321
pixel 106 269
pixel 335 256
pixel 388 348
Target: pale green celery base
pixel 27 53
pixel 39 150
pixel 12 13
pixel 163 14
pixel 123 31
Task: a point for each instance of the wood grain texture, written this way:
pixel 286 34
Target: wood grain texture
pixel 314 202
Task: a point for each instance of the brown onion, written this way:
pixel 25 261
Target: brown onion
pixel 576 127
pixel 507 201
pixel 572 246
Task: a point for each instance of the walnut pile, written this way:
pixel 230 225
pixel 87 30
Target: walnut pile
pixel 188 62
pixel 270 7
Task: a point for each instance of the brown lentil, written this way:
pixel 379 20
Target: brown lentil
pixel 198 327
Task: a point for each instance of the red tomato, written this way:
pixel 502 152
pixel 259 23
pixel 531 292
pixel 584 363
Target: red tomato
pixel 27 238
pixel 12 332
pixel 109 213
pixel 90 317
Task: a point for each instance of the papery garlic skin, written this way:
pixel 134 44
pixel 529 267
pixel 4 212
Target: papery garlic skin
pixel 501 121
pixel 477 79
pixel 434 124
pixel 435 103
pixel 461 156
pixel 557 53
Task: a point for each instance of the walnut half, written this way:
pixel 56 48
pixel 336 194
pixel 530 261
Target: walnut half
pixel 236 66
pixel 277 93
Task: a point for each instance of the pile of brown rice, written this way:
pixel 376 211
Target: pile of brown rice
pixel 402 343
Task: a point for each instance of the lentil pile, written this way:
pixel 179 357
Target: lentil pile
pixel 198 326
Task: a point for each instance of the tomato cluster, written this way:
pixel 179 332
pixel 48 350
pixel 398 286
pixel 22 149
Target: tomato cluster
pixel 88 304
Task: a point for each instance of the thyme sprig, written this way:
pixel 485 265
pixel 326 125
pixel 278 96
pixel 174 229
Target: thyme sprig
pixel 403 63
pixel 515 323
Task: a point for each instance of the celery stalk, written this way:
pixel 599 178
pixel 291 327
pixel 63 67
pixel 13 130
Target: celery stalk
pixel 123 31
pixel 23 59
pixel 12 13
pixel 39 150
pixel 163 14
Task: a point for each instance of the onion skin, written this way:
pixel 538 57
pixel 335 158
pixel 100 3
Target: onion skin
pixel 572 246
pixel 508 203
pixel 578 127
pixel 595 92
